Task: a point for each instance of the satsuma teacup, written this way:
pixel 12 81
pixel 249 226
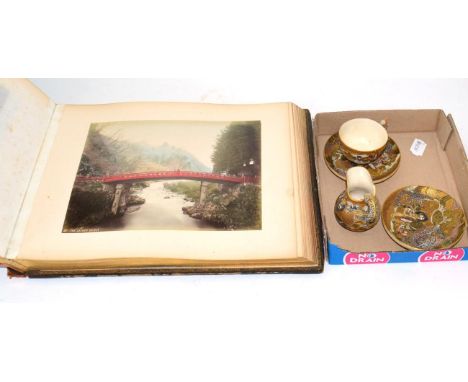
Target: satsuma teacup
pixel 362 140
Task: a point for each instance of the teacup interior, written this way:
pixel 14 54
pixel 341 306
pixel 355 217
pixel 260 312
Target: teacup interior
pixel 363 134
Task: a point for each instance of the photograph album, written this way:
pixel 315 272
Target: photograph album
pixel 155 188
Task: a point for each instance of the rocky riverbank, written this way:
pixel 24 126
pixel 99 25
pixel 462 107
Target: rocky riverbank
pixel 236 207
pixel 91 203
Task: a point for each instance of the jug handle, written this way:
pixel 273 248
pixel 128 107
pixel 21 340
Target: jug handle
pixel 359 184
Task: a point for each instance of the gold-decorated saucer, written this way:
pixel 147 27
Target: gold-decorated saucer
pixel 423 218
pixel 381 169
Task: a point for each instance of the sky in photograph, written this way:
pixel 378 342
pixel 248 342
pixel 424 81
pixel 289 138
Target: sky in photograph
pixel 196 137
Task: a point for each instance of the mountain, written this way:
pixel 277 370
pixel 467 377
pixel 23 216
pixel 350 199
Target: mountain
pixel 105 155
pixel 169 157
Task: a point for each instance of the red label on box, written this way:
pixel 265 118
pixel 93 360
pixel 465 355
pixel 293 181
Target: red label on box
pixel 366 258
pixel 455 254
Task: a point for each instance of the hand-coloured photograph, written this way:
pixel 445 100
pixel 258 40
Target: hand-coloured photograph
pixel 168 175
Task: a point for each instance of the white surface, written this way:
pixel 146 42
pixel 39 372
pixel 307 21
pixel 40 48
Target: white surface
pixel 229 39
pixel 368 323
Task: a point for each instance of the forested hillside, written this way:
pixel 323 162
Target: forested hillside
pixel 104 155
pixel 237 150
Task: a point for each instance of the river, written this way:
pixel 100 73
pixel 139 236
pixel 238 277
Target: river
pixel 161 210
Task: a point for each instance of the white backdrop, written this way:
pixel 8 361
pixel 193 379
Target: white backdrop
pixel 382 322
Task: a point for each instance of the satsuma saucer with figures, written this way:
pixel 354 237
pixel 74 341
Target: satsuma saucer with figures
pixel 423 218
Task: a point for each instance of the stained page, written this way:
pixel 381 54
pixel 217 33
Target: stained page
pixel 25 113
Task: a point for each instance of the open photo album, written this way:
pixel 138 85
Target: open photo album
pixel 156 187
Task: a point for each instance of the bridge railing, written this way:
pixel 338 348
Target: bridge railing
pixel 175 174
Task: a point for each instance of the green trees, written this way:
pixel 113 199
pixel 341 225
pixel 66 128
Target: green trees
pixel 237 207
pixel 104 155
pixel 88 206
pixel 240 212
pixel 189 188
pixel 237 150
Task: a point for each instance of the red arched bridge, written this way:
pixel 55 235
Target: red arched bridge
pixel 171 175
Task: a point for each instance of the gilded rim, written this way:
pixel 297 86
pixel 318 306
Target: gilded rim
pixel 366 152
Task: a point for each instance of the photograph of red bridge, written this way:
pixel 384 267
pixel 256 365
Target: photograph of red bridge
pixel 184 175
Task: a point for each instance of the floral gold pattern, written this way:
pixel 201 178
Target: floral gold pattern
pixel 423 218
pixel 381 169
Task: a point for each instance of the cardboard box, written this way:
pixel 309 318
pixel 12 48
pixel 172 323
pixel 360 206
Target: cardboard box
pixel 443 166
